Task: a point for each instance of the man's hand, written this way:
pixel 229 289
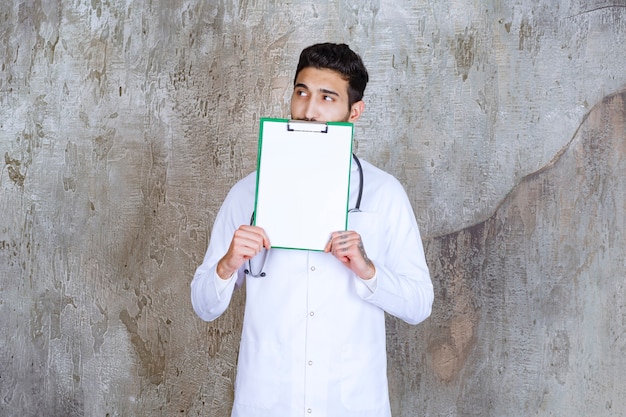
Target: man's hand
pixel 347 246
pixel 247 242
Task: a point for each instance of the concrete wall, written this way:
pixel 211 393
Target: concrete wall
pixel 123 124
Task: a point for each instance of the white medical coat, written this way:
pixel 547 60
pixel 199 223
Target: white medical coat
pixel 313 341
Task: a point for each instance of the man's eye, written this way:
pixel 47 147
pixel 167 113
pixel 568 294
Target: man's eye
pixel 301 93
pixel 328 98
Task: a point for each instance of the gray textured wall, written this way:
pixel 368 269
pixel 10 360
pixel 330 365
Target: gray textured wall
pixel 123 124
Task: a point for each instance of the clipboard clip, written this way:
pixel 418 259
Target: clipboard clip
pixel 304 126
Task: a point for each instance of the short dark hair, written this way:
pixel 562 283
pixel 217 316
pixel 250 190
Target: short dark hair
pixel 339 58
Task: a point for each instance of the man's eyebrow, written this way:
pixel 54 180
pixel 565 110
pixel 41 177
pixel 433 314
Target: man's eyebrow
pixel 321 90
pixel 331 92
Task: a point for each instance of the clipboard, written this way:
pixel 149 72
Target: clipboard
pixel 303 181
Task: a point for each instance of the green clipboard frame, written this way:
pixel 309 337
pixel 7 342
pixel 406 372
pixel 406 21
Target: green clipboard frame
pixel 303 181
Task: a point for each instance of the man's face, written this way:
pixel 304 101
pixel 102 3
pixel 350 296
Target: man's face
pixel 322 95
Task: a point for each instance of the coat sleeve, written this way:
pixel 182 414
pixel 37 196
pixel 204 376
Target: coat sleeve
pixel 209 296
pixel 403 285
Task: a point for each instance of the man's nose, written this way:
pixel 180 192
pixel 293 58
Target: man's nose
pixel 311 112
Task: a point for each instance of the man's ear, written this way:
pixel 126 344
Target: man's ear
pixel 356 110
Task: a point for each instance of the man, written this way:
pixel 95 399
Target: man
pixel 313 341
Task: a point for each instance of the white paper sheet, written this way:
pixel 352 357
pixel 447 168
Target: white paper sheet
pixel 303 178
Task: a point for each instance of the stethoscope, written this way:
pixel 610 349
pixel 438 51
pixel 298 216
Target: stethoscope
pixel 357 208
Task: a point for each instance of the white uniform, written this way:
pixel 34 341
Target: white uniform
pixel 313 341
